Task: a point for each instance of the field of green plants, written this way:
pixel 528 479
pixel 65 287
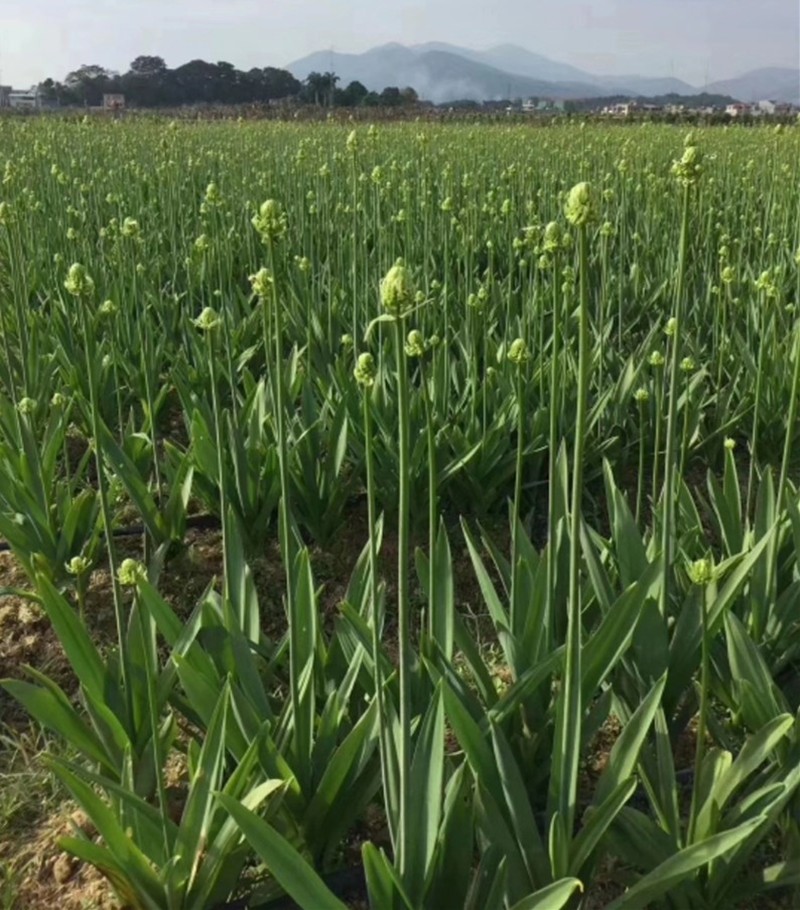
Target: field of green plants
pixel 532 390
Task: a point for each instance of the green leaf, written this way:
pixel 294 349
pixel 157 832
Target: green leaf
pixel 284 863
pixel 383 883
pixel 596 823
pixel 681 866
pixel 553 897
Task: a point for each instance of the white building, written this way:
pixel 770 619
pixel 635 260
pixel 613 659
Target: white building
pixel 737 110
pixel 29 99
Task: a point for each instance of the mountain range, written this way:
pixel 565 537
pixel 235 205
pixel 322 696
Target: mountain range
pixel 441 73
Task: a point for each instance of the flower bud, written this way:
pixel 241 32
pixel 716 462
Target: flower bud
pixel 687 170
pixel 78 565
pixel 270 222
pixel 415 344
pixel 641 396
pixel 207 320
pixel 580 206
pixel 397 293
pixel 78 281
pixel 365 369
pixel 701 572
pixel 552 237
pixel 131 572
pixel 261 283
pixel 518 352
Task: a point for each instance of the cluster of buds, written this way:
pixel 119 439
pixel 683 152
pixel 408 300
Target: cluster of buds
pixel 131 572
pixel 365 370
pixel 580 207
pixel 78 281
pixel 270 222
pixel 130 228
pixel 26 406
pixel 78 566
pixel 397 291
pixel 417 346
pixel 688 167
pixel 553 237
pixel 766 283
pixel 518 352
pixel 261 283
pixel 701 572
pixel 208 320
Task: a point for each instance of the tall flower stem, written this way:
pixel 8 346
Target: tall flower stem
pixel 670 473
pixel 404 833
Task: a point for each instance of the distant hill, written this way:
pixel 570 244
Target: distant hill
pixel 774 83
pixel 437 75
pixel 442 72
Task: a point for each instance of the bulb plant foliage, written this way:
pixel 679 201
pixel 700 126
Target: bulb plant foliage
pixel 555 385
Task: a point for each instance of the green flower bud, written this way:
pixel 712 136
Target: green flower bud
pixel 131 572
pixel 641 396
pixel 415 344
pixel 580 206
pixel 656 359
pixel 687 365
pixel 730 444
pixel 552 237
pixel 397 292
pixel 108 308
pixel 261 283
pixel 78 281
pixel 518 352
pixel 346 341
pixel 688 169
pixel 701 572
pixel 727 275
pixel 78 565
pixel 365 369
pixel 352 142
pixel 207 320
pixel 130 228
pixel 26 406
pixel 270 222
pixel 671 327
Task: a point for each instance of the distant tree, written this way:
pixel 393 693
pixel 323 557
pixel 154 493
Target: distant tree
pixel 351 96
pixel 90 82
pixel 320 88
pixel 151 83
pixel 279 83
pixel 409 95
pixel 391 97
pixel 148 66
pixel 196 82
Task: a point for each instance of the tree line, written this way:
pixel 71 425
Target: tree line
pixel 149 82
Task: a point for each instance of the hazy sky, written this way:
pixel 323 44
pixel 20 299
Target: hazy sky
pixel 685 38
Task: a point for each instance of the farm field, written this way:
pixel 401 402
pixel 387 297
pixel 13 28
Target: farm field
pixel 403 517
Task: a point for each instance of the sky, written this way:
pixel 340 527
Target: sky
pixel 695 40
